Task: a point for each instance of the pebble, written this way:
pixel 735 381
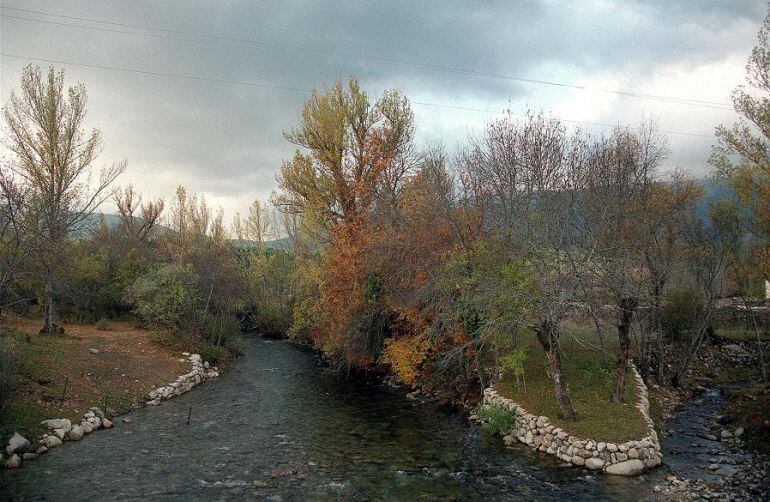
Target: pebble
pixel 93 351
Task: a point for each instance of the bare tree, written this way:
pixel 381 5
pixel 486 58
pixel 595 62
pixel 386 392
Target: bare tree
pixel 138 221
pixel 713 246
pixel 617 184
pixel 522 172
pixel 17 242
pixel 260 224
pixel 44 128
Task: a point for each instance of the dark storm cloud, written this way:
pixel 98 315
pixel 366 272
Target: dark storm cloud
pixel 226 139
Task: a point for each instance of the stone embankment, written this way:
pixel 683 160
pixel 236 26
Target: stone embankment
pixel 62 429
pixel 626 459
pixel 200 372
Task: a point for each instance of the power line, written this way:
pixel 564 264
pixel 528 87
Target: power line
pixel 159 74
pixel 436 67
pixel 296 89
pixel 289 88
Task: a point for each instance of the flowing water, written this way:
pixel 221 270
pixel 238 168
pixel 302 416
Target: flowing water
pixel 276 412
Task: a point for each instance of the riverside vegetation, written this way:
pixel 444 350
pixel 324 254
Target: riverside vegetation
pixel 538 259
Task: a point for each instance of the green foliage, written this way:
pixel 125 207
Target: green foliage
pixel 167 297
pixel 496 419
pixel 302 320
pixel 513 362
pixel 269 289
pixel 679 311
pixel 218 330
pixel 6 370
pixel 103 324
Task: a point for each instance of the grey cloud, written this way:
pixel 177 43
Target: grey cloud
pixel 226 139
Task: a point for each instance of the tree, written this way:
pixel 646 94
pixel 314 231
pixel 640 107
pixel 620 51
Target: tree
pixel 522 173
pixel 351 144
pixel 44 128
pixel 742 158
pixel 712 248
pixel 137 227
pixel 612 201
pixel 17 242
pixel 353 160
pixel 663 226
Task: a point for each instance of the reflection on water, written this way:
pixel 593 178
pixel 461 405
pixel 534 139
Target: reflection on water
pixel 276 418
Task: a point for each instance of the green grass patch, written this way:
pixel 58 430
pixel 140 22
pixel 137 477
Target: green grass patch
pixel 742 334
pixel 24 418
pixel 589 382
pixel 495 419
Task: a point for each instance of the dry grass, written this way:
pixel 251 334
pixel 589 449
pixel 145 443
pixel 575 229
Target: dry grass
pixel 126 367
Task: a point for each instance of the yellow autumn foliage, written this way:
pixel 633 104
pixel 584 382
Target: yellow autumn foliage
pixel 404 355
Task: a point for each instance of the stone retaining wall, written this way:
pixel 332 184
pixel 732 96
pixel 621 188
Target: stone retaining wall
pixel 200 372
pixel 62 429
pixel 627 459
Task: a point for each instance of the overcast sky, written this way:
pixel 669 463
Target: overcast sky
pixel 225 139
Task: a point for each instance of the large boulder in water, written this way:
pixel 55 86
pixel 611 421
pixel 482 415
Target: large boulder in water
pixel 632 467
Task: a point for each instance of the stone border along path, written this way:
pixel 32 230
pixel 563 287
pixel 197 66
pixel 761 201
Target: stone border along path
pixel 19 448
pixel 627 459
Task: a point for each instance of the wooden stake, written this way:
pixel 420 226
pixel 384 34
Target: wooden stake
pixel 64 390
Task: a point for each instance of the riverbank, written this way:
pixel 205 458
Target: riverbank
pixel 63 376
pixel 716 434
pixel 279 425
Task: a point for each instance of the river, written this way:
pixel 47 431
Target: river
pixel 277 412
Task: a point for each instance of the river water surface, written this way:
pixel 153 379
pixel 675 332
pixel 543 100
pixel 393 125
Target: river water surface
pixel 276 412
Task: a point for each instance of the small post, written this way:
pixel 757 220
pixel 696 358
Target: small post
pixel 64 390
pixel 189 414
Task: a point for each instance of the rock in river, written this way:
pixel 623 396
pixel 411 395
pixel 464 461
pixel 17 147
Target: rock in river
pixel 631 467
pixel 17 444
pixel 57 423
pixel 51 442
pixel 76 434
pixel 13 462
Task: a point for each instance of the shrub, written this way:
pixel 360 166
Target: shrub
pixel 219 330
pixel 6 370
pixel 496 419
pixel 679 311
pixel 103 324
pixel 405 356
pixel 513 364
pixel 166 297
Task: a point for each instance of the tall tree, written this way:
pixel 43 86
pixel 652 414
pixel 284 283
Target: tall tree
pixel 617 186
pixel 44 128
pixel 742 157
pixel 350 145
pixel 523 173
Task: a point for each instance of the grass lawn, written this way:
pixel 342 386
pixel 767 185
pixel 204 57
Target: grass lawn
pixel 589 383
pixel 127 364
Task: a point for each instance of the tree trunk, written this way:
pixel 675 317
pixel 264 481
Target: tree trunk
pixel 750 313
pixel 705 329
pixel 48 324
pixel 627 307
pixel 546 335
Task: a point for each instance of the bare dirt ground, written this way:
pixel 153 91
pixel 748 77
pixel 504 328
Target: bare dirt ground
pixel 62 376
